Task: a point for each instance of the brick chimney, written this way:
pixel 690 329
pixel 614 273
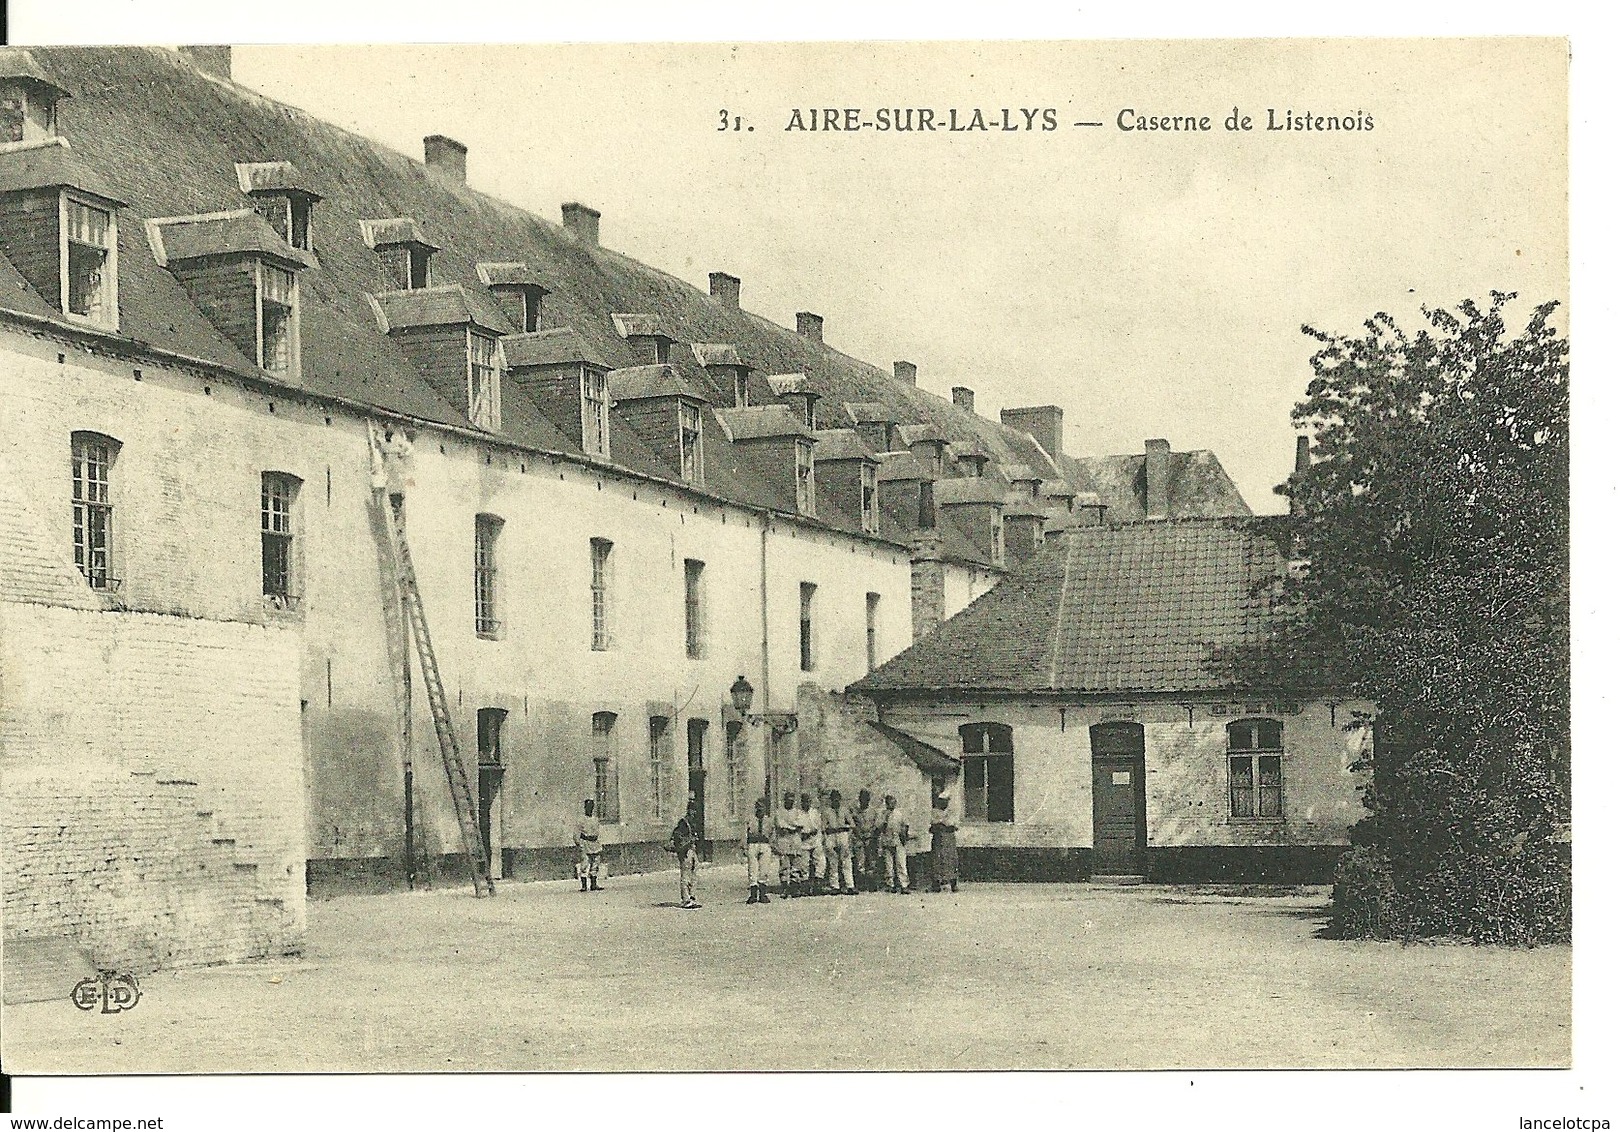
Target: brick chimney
pixel 582 222
pixel 212 60
pixel 927 583
pixel 727 289
pixel 962 398
pixel 1156 474
pixel 1302 455
pixel 906 372
pixel 809 325
pixel 1043 422
pixel 445 156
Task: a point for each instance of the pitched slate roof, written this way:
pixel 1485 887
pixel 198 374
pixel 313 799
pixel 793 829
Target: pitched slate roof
pixel 1120 609
pixel 140 114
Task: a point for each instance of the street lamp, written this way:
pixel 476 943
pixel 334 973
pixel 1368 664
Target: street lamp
pixel 781 723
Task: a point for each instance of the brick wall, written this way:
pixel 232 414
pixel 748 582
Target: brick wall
pixel 154 802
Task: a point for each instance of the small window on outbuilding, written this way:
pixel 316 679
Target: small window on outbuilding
pixel 1254 754
pixel 987 772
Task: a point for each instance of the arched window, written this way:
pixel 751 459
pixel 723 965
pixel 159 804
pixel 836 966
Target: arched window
pixel 1254 751
pixel 607 766
pixel 93 457
pixel 987 772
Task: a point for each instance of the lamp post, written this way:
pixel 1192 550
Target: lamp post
pixel 780 723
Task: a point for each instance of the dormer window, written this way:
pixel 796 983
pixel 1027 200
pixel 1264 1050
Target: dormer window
pixel 869 511
pixel 998 542
pixel 289 216
pixel 242 276
pixel 691 443
pixel 483 380
pixel 517 290
pixel 27 99
pixel 740 388
pixel 413 267
pixel 646 336
pixel 593 400
pixel 454 340
pixel 404 251
pixel 805 477
pixel 281 196
pixel 89 262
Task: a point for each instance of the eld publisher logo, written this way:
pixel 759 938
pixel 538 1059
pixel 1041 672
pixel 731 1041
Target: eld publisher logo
pixel 111 990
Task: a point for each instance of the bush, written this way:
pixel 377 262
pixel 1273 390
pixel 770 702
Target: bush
pixel 1471 845
pixel 1365 904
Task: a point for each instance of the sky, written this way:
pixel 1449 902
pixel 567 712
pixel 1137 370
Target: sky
pixel 1151 283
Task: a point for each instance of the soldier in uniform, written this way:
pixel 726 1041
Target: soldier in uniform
pixel 588 840
pixel 758 850
pixel 683 842
pixel 863 820
pixel 789 850
pixel 835 822
pixel 893 833
pixel 815 853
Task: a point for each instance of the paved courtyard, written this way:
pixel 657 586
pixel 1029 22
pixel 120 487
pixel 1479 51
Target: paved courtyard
pixel 998 976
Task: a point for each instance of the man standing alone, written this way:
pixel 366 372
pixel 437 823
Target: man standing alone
pixel 588 840
pixel 892 836
pixel 683 842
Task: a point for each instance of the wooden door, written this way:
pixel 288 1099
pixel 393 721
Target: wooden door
pixel 489 790
pixel 1118 800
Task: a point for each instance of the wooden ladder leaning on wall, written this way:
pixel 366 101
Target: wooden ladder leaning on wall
pixel 391 504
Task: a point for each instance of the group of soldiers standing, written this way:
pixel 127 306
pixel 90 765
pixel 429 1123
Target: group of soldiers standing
pixel 832 850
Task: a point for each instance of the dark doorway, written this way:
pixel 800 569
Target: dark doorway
pixel 1118 800
pixel 490 772
pixel 697 732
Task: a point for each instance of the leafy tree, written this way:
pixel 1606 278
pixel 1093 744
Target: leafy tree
pixel 1435 521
